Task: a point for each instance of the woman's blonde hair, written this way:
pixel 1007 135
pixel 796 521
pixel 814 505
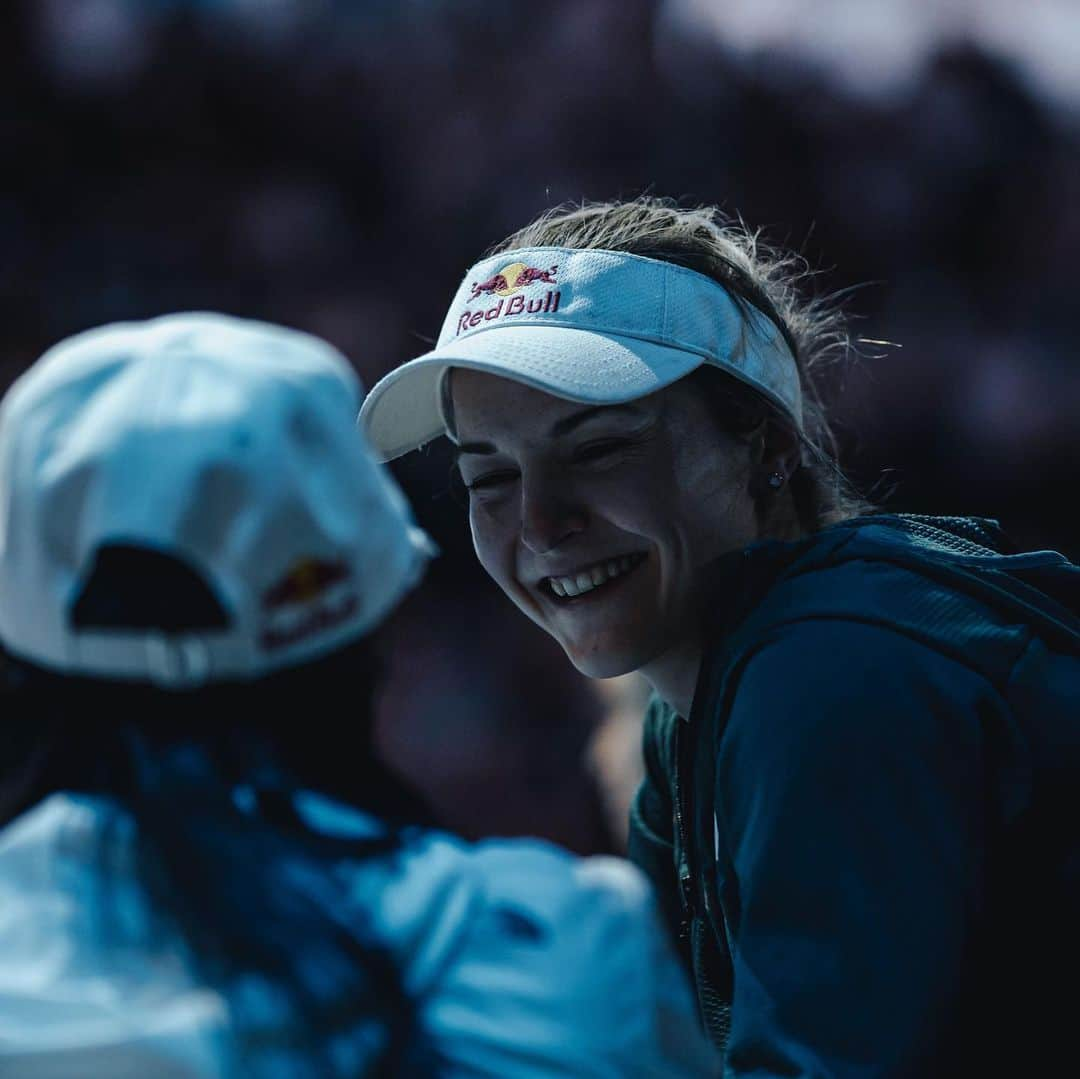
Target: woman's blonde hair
pixel 705 240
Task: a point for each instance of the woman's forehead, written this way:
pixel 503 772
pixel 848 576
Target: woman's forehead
pixel 488 407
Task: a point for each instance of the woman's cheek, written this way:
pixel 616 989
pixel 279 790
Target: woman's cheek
pixel 494 551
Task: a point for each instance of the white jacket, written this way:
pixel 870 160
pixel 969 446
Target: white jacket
pixel 524 962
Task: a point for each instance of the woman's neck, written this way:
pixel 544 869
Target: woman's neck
pixel 674 674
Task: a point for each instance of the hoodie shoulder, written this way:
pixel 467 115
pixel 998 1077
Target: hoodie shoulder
pixel 951 584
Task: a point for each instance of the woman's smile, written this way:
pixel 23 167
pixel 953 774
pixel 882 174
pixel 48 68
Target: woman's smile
pixel 577 584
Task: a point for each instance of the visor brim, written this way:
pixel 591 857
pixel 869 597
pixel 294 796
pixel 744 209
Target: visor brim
pixel 402 413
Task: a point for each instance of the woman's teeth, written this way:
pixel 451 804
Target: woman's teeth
pixel 590 578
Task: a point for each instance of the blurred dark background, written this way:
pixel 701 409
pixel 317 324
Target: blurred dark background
pixel 337 167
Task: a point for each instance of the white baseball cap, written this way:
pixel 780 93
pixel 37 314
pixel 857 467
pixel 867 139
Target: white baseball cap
pixel 228 445
pixel 599 327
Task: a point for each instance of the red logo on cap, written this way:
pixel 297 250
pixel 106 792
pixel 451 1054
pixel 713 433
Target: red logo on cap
pixel 508 281
pixel 512 278
pixel 291 613
pixel 306 580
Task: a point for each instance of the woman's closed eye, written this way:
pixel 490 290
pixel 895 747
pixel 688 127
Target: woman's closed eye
pixel 492 481
pixel 601 449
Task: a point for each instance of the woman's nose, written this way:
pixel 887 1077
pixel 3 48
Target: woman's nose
pixel 549 514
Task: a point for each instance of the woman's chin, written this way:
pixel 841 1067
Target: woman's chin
pixel 596 662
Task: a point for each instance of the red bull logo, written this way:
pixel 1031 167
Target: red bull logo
pixel 506 285
pixel 510 279
pixel 306 580
pixel 291 613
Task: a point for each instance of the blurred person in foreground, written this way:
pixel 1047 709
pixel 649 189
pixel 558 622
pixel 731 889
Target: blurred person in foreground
pixel 204 870
pixel 862 797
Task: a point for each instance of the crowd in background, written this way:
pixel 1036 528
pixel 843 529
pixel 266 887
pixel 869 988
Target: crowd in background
pixel 338 170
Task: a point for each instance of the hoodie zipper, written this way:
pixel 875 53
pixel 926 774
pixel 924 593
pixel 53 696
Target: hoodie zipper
pixel 693 922
pixel 686 880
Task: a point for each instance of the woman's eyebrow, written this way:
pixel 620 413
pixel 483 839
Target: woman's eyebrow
pixel 558 428
pixel 576 419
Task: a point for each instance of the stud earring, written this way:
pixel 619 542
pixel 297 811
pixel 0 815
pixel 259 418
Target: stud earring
pixel 776 480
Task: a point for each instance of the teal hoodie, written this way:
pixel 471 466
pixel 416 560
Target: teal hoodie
pixel 866 835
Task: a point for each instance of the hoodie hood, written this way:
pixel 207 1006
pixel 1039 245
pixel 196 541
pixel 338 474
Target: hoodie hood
pixel 939 564
pixel 976 555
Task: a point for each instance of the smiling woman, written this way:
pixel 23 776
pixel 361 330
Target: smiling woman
pixel 861 756
pixel 686 457
pixel 614 585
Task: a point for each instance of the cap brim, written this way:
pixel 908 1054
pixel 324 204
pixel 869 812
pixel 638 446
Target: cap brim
pixel 402 411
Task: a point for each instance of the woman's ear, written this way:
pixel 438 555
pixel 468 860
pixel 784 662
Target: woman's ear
pixel 775 453
pixel 783 448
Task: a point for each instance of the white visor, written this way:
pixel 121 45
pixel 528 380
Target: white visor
pixel 598 327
